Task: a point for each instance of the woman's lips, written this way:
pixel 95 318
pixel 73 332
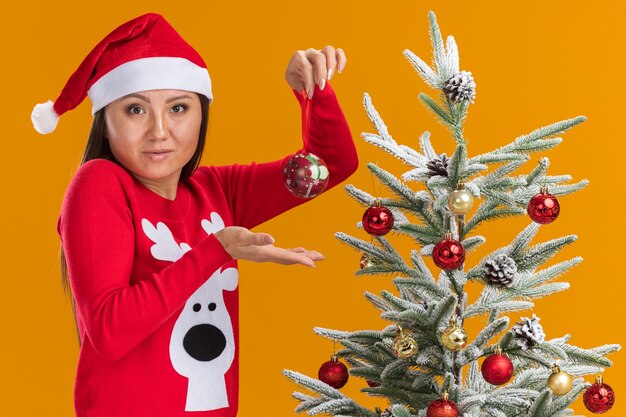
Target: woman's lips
pixel 157 155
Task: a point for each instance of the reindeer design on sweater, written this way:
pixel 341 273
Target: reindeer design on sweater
pixel 202 345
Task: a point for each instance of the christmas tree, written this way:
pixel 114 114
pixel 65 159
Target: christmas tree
pixel 424 363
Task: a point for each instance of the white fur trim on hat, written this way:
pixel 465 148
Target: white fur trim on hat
pixel 157 73
pixel 44 118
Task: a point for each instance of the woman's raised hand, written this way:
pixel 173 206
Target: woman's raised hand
pixel 313 66
pixel 241 243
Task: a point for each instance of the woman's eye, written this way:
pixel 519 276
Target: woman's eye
pixel 134 109
pixel 179 108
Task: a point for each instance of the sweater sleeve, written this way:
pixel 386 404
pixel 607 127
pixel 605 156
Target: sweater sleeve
pixel 98 240
pixel 257 192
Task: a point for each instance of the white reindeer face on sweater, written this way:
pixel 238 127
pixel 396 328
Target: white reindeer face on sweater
pixel 202 345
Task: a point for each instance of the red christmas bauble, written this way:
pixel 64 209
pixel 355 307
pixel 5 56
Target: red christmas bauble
pixel 599 398
pixel 449 253
pixel 372 383
pixel 442 408
pixel 497 369
pixel 334 373
pixel 306 175
pixel 377 220
pixel 543 208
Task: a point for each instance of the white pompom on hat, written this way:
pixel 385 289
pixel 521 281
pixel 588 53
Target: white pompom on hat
pixel 145 53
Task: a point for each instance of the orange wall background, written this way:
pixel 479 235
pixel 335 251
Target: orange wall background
pixel 534 63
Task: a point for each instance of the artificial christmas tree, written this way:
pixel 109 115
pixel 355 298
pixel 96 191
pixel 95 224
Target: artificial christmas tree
pixel 526 373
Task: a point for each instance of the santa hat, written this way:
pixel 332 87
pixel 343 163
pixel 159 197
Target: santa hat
pixel 145 53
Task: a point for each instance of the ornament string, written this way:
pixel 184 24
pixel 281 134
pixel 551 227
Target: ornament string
pixel 376 199
pixel 307 119
pixel 374 183
pixel 460 220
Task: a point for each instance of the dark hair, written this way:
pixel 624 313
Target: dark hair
pixel 98 148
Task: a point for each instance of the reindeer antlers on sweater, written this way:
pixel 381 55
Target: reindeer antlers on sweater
pixel 165 247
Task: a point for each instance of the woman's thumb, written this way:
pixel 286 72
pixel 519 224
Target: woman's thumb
pixel 263 239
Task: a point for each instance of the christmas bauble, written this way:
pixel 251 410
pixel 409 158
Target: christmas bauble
pixel 404 346
pixel 460 201
pixel 442 408
pixel 449 253
pixel 377 220
pixel 497 369
pixel 306 175
pixel 372 384
pixel 334 373
pixel 600 397
pixel 367 261
pixel 560 381
pixel 543 207
pixel 454 337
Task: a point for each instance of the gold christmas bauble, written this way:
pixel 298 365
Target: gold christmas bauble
pixel 454 337
pixel 460 201
pixel 404 345
pixel 368 261
pixel 560 382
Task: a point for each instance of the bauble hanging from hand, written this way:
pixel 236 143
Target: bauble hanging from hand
pixel 306 175
pixel 442 407
pixel 334 373
pixel 377 219
pixel 560 382
pixel 543 208
pixel 460 201
pixel 497 369
pixel 600 397
pixel 449 253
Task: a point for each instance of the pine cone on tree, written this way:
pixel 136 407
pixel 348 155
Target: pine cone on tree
pixel 386 413
pixel 528 332
pixel 438 166
pixel 460 87
pixel 500 271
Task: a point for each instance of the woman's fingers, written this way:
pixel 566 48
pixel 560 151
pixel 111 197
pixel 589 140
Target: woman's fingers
pixel 306 71
pixel 318 66
pixel 250 238
pixel 289 256
pixel 283 256
pixel 297 250
pixel 311 66
pixel 313 254
pixel 341 59
pixel 331 60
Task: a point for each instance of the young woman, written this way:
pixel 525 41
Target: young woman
pixel 150 240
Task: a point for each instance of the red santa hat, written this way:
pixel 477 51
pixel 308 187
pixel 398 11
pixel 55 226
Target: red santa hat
pixel 145 53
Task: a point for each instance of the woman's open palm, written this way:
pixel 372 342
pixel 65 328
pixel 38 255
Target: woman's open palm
pixel 241 243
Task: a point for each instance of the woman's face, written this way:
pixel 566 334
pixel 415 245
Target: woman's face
pixel 154 133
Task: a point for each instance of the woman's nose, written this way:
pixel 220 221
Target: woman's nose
pixel 158 126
